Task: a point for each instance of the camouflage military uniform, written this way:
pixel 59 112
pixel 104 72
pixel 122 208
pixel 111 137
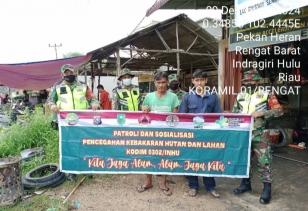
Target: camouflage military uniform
pixel 126 98
pixel 180 93
pixel 116 101
pixel 260 136
pixel 267 103
pixel 54 98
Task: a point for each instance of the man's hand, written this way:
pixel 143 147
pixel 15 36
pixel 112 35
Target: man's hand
pixel 94 106
pixel 146 109
pixel 256 114
pixel 54 109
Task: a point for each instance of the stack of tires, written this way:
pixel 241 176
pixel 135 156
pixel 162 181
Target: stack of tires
pixel 38 177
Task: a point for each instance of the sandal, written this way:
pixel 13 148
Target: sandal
pixel 214 193
pixel 192 192
pixel 167 191
pixel 142 188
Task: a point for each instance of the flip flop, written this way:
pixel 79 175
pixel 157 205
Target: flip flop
pixel 142 188
pixel 167 191
pixel 214 193
pixel 192 192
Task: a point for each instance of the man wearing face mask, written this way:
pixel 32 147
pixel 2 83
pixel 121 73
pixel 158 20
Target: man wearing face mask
pixel 261 105
pixel 71 94
pixel 126 97
pixel 174 86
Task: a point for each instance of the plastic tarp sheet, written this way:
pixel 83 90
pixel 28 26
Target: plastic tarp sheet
pixel 37 75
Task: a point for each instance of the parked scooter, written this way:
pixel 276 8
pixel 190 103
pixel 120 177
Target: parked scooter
pixel 19 110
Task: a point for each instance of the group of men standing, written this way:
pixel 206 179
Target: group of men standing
pixel 72 94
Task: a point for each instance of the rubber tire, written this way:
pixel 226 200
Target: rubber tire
pixel 285 138
pixel 50 183
pixel 53 166
pixel 60 182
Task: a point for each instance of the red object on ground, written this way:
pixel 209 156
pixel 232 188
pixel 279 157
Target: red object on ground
pixel 274 139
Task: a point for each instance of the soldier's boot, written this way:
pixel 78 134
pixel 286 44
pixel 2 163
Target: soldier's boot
pixel 244 187
pixel 266 194
pixel 90 176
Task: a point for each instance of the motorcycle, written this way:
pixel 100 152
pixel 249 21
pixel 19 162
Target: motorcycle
pixel 19 111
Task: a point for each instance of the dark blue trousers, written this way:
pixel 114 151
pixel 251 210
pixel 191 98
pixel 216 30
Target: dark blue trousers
pixel 209 183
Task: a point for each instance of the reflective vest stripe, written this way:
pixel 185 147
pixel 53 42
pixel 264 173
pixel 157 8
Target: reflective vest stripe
pixel 72 99
pixel 250 103
pixel 129 98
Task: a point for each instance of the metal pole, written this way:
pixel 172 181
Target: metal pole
pixel 118 63
pixel 177 46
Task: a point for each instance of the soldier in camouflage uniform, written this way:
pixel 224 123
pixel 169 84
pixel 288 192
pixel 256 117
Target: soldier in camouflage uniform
pixel 261 105
pixel 174 86
pixel 126 96
pixel 71 94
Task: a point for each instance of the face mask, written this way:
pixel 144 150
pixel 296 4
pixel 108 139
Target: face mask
pixel 174 86
pixel 70 78
pixel 250 87
pixel 127 81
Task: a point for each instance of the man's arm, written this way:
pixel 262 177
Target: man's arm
pixel 235 108
pixel 175 110
pixel 140 99
pixel 115 100
pixel 217 107
pixel 145 105
pixel 53 97
pixel 274 107
pixel 184 104
pixel 176 104
pixel 90 97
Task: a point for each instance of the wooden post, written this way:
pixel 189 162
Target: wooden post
pixel 85 75
pixel 92 76
pixel 177 47
pixel 191 72
pixel 99 76
pixel 118 64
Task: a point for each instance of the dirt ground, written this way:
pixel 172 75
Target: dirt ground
pixel 118 192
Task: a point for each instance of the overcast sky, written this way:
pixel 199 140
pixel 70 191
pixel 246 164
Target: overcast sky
pixel 27 27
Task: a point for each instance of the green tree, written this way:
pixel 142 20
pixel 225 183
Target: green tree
pixel 72 54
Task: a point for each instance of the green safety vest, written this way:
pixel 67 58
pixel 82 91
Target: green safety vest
pixel 129 99
pixel 253 102
pixel 72 99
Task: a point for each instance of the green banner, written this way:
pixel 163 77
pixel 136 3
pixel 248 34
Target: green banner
pixel 220 149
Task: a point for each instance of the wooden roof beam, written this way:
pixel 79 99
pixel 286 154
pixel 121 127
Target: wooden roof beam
pixel 171 51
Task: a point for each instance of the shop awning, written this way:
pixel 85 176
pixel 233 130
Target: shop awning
pixel 37 75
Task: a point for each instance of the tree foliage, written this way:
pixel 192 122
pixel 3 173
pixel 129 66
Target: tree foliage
pixel 72 54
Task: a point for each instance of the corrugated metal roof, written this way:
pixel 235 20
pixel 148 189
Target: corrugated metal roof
pixel 191 35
